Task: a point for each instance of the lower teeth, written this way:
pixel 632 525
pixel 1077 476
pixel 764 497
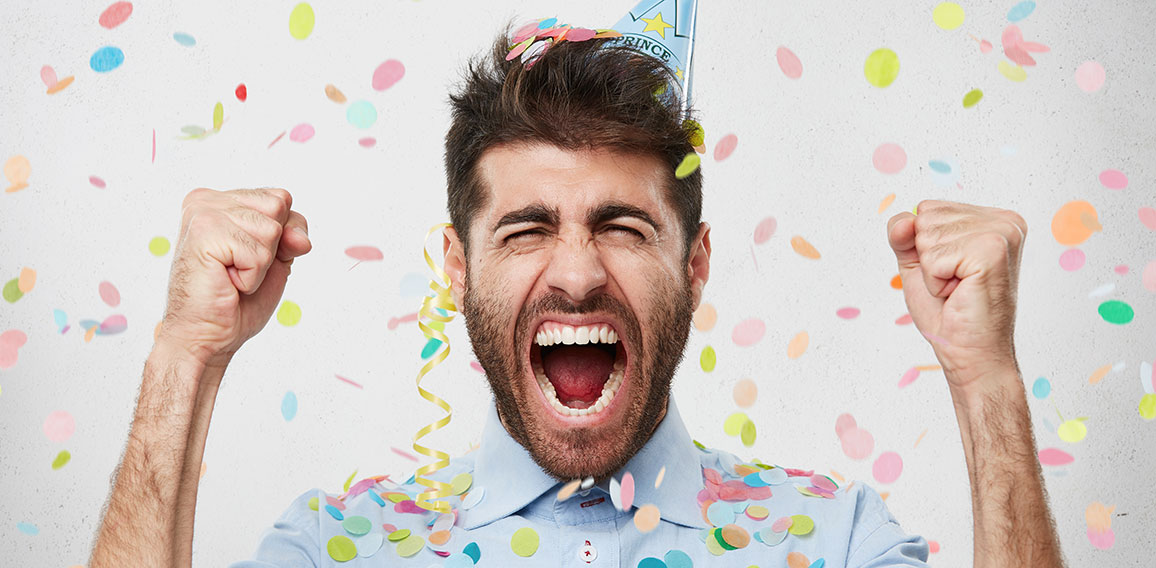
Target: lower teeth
pixel 608 391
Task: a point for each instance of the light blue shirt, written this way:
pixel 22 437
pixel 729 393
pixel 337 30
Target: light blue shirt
pixel 701 492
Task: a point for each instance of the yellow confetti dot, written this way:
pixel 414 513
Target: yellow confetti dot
pixel 1012 72
pixel 301 20
pixel 159 246
pixel 882 67
pixel 1072 431
pixel 524 543
pixel 349 480
pixel 734 423
pixel 313 503
pixel 689 164
pixel 218 116
pixel 972 98
pixel 707 359
pixel 695 132
pixel 747 435
pixel 461 483
pixel 948 15
pixel 410 546
pixel 1148 406
pixel 802 525
pixel 61 459
pixel 289 314
pixel 804 248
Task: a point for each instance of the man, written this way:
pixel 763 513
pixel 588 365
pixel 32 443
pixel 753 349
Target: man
pixel 577 258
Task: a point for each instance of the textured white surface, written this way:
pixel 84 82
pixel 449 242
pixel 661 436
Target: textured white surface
pixel 803 156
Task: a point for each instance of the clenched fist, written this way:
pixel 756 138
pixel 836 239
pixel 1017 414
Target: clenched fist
pixel 229 269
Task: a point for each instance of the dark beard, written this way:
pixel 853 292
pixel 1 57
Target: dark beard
pixel 570 457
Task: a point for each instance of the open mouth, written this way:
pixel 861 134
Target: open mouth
pixel 580 368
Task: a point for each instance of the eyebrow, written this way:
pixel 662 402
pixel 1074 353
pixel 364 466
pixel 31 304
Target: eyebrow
pixel 539 213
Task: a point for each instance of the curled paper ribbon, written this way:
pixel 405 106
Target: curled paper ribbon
pixel 429 311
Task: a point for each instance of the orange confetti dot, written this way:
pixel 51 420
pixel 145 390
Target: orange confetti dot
pixel 27 280
pixel 646 518
pixel 439 537
pixel 1099 374
pixel 897 282
pixel 804 248
pixel 705 317
pixel 798 345
pixel 797 560
pixel 334 94
pixel 1070 225
pixel 884 495
pixel 887 201
pixel 746 391
pixel 736 536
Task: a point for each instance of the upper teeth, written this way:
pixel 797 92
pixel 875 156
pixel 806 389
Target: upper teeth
pixel 580 335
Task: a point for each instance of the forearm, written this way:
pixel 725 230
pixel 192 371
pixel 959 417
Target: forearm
pixel 1012 524
pixel 149 516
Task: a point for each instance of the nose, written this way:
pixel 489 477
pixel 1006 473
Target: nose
pixel 576 268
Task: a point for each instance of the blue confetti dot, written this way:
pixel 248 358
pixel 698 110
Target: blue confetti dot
pixel 651 562
pixel 678 559
pixel 939 166
pixel 458 560
pixel 1021 11
pixel 473 551
pixel 361 114
pixel 376 498
pixel 820 563
pixel 28 528
pixel 548 22
pixel 106 59
pixel 289 406
pixel 431 347
pixel 1041 388
pixel 335 512
pixel 185 39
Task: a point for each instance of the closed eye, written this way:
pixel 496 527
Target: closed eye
pixel 523 233
pixel 621 229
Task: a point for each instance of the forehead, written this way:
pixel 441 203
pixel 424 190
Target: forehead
pixel 572 181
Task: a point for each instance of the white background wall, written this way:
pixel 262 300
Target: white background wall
pixel 804 156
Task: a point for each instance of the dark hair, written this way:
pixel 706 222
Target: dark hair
pixel 598 93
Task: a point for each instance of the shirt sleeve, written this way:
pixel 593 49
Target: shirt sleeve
pixel 292 542
pixel 877 540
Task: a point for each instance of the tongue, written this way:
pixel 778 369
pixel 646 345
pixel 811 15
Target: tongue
pixel 578 372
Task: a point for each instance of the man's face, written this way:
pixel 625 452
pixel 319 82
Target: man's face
pixel 577 300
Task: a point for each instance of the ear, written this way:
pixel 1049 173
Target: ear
pixel 455 264
pixel 698 266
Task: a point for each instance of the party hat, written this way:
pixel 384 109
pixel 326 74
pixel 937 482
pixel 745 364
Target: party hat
pixel 663 29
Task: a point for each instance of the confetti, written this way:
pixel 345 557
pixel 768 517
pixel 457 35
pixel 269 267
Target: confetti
pixel 909 377
pixel 789 63
pixel 765 230
pixel 361 114
pixel 1117 312
pixel 1147 406
pixel 387 74
pixel 367 142
pixel 241 92
pixel 889 158
pixel 289 406
pixel 847 313
pixel 524 542
pixel 28 528
pixel 804 248
pixel 707 359
pixel 184 39
pixel 1148 219
pixel 857 443
pixel 1042 388
pixel 705 317
pixel 301 133
pixel 1021 11
pixel 1072 431
pixel 1072 260
pixel 1068 227
pixel 646 518
pixel 48 76
pixel 106 59
pixel 947 15
pixel 1113 179
pixel 1012 72
pixel 61 460
pixel 688 165
pixel 412 545
pixel 301 21
pixel 798 345
pixel 289 314
pixel 1053 456
pixel 115 15
pixel 733 425
pixel 724 148
pixel 881 67
pixel 59 426
pixel 17 170
pixel 887 467
pixel 1090 76
pixel 972 98
pixel 747 434
pixel 748 332
pixel 745 393
pixel 1099 519
pixel 341 548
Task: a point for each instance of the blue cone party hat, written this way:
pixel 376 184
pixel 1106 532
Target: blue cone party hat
pixel 663 29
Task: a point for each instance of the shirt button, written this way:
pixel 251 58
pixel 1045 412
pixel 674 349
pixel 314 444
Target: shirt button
pixel 587 553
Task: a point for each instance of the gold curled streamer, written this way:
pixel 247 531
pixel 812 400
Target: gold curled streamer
pixel 441 299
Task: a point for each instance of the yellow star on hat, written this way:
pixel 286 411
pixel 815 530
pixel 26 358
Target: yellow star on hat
pixel 656 24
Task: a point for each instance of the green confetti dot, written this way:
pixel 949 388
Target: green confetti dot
pixel 313 503
pixel 361 114
pixel 12 290
pixel 696 134
pixel 341 548
pixel 159 246
pixel 289 314
pixel 747 433
pixel 972 97
pixel 707 359
pixel 802 525
pixel 218 116
pixel 398 535
pixel 61 459
pixel 410 546
pixel 461 483
pixel 882 67
pixel 356 525
pixel 1148 406
pixel 524 543
pixel 689 164
pixel 1117 312
pixel 301 20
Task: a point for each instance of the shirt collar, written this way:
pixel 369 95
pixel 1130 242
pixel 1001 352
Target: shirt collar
pixel 512 479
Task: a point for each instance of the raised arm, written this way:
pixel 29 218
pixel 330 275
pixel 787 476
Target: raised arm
pixel 959 265
pixel 229 269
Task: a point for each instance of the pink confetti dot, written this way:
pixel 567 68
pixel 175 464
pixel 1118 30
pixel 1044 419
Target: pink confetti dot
pixel 725 147
pixel 1072 260
pixel 59 426
pixel 1148 217
pixel 387 74
pixel 1148 277
pixel 115 14
pixel 766 229
pixel 847 313
pixel 844 423
pixel 857 443
pixel 933 545
pixel 748 332
pixel 887 467
pixel 627 493
pixel 109 294
pixel 95 181
pixel 889 158
pixel 1090 76
pixel 368 142
pixel 1053 456
pixel 301 133
pixel 909 377
pixel 789 63
pixel 1113 179
pixel 477 366
pixel 1102 540
pixel 904 319
pixel 1121 269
